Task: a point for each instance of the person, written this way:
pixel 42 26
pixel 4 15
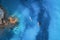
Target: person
pixel 12 20
pixel 1 16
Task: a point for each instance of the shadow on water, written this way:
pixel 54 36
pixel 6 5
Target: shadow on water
pixel 43 34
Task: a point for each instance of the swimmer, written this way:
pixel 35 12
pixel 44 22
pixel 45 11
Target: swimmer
pixel 12 20
pixel 6 21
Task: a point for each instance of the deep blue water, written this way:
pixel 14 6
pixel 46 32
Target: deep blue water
pixel 38 19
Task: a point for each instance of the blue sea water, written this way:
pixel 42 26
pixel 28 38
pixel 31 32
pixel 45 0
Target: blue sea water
pixel 38 19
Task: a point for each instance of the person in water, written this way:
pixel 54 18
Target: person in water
pixel 3 19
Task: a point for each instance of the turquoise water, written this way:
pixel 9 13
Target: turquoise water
pixel 38 19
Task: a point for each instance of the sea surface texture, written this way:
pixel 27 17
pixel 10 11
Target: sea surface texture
pixel 38 19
